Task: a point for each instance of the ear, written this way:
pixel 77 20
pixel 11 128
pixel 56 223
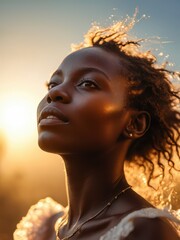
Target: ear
pixel 137 125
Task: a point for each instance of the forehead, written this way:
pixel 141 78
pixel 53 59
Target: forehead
pixel 93 57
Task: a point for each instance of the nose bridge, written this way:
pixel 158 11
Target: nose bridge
pixel 59 93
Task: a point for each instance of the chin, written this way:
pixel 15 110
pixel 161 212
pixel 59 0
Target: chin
pixel 47 143
pixel 46 147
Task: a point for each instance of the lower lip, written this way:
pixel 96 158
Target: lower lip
pixel 51 122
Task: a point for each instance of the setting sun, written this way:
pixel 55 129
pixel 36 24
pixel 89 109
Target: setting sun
pixel 17 117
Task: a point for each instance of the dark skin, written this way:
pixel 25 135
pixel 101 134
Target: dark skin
pixel 85 120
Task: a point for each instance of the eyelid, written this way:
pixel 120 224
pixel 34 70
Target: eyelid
pixel 83 80
pixel 48 84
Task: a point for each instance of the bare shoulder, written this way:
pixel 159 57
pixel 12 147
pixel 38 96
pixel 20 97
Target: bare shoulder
pixel 149 223
pixel 151 229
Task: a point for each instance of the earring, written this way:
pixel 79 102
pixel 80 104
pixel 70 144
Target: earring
pixel 130 134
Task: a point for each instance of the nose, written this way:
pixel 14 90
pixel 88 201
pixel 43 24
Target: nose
pixel 57 93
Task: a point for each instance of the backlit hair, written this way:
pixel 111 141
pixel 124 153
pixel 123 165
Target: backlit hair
pixel 150 89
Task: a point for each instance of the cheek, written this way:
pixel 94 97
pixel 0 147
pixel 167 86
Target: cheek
pixel 95 125
pixel 100 123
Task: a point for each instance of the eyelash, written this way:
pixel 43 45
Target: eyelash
pixel 50 85
pixel 89 81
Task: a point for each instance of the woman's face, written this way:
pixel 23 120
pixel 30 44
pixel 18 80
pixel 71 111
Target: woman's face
pixel 84 109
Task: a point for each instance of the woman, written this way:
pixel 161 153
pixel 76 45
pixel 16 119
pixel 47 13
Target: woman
pixel 107 103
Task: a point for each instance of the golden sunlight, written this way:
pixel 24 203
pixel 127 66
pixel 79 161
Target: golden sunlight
pixel 17 117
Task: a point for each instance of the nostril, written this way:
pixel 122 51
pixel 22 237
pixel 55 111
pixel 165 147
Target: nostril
pixel 56 94
pixel 57 98
pixel 48 99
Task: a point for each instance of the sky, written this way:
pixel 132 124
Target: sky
pixel 34 38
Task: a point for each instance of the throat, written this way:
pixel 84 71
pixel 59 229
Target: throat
pixel 66 232
pixel 93 186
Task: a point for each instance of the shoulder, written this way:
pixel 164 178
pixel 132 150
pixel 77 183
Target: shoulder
pixel 152 228
pixel 39 221
pixel 144 224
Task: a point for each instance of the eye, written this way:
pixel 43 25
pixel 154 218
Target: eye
pixel 88 83
pixel 50 85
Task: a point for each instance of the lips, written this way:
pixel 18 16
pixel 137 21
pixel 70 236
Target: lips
pixel 51 116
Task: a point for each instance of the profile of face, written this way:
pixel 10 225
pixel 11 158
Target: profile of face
pixel 84 110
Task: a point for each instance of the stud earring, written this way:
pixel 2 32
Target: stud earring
pixel 130 134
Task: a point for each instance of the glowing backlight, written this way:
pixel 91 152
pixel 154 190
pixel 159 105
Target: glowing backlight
pixel 17 117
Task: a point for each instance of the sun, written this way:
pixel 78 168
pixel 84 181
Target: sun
pixel 17 117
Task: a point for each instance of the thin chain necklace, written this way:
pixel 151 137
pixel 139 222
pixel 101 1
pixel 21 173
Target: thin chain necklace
pixel 94 216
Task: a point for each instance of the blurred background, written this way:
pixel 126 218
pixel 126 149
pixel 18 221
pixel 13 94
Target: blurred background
pixel 34 38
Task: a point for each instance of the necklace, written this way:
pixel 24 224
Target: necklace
pixel 92 217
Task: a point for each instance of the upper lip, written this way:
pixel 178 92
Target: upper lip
pixel 52 111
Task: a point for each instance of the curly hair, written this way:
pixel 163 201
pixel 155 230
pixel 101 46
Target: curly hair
pixel 150 89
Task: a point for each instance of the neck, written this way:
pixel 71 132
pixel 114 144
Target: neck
pixel 91 183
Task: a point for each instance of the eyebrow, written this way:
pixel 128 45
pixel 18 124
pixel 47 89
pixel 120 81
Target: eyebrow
pixel 93 69
pixel 83 70
pixel 57 72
